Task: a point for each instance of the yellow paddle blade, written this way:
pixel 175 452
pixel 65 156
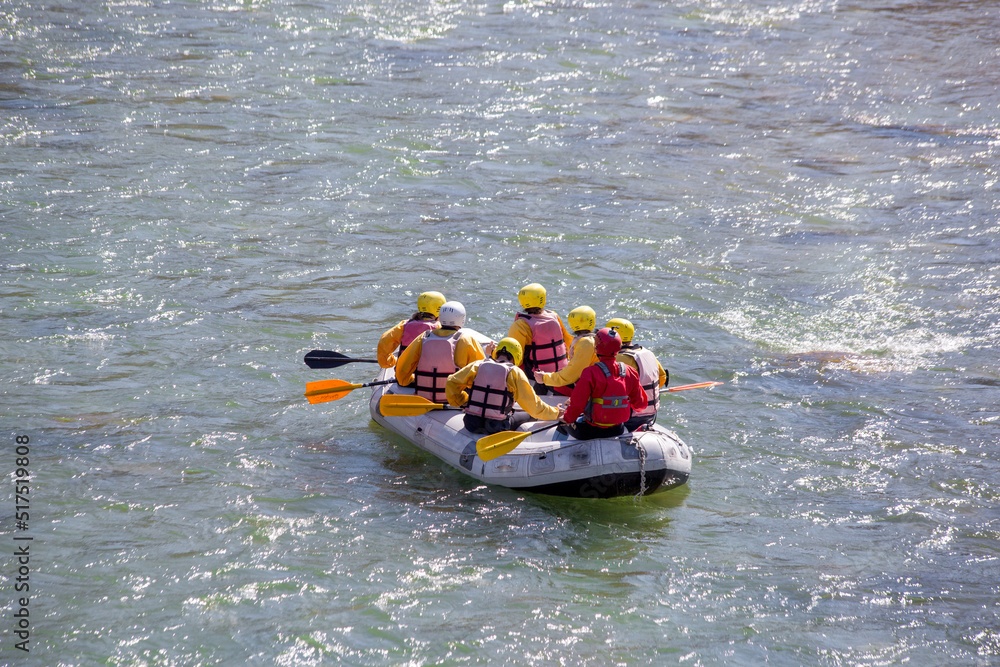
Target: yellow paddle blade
pixel 498 444
pixel 406 406
pixel 328 390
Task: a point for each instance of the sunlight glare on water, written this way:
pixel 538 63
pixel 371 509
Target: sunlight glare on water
pixel 797 199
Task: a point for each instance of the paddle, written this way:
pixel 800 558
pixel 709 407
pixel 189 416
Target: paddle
pixel 498 444
pixel 331 359
pixel 333 390
pixel 697 385
pixel 403 405
pixel 501 443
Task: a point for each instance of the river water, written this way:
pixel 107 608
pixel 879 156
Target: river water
pixel 798 199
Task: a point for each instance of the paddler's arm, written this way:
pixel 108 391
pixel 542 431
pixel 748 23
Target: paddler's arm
pixel 578 399
pixel 408 362
pixel 520 331
pixel 583 356
pixel 664 376
pixel 458 382
pixel 517 383
pixel 567 336
pixel 387 345
pixel 467 350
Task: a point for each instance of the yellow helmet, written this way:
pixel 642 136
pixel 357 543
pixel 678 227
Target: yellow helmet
pixel 431 302
pixel 532 296
pixel 625 328
pixel 582 319
pixel 512 347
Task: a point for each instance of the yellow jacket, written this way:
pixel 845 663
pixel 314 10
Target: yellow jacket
pixel 388 344
pixel 581 355
pixel 629 361
pixel 520 331
pixel 517 384
pixel 467 350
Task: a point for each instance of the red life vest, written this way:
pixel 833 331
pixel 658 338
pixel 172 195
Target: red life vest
pixel 436 363
pixel 489 396
pixel 612 407
pixel 649 377
pixel 547 350
pixel 413 330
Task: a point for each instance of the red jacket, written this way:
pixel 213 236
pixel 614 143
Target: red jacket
pixel 594 384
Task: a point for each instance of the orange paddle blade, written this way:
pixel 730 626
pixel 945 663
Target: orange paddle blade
pixel 328 390
pixel 697 385
pixel 393 405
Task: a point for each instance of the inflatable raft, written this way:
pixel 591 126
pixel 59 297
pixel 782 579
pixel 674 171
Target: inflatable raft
pixel 550 462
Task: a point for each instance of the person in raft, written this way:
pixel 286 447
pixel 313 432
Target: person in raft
pixel 652 376
pixel 487 390
pixel 436 354
pixel 400 336
pixel 581 352
pixel 541 334
pixel 605 395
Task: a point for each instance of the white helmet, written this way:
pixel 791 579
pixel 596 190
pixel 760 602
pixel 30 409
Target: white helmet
pixel 452 315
